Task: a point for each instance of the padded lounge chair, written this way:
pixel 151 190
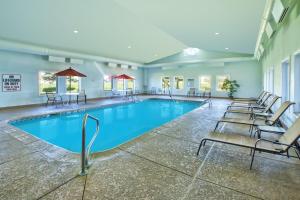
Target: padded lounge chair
pixel 251 99
pixel 247 101
pixel 249 105
pixel 270 120
pixel 281 146
pixel 254 110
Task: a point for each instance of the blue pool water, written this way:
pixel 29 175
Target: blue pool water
pixel 119 123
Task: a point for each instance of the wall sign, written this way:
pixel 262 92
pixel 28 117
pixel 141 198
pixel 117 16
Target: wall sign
pixel 11 82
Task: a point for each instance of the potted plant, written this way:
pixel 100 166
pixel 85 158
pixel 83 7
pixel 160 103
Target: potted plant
pixel 230 86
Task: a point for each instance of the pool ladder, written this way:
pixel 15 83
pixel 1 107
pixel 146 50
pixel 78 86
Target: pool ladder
pixel 85 151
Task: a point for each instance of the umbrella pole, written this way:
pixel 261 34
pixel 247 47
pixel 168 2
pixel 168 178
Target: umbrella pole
pixel 70 89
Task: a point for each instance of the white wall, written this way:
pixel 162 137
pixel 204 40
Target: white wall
pixel 29 66
pixel 248 74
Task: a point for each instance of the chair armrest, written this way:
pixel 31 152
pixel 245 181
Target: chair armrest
pixel 273 142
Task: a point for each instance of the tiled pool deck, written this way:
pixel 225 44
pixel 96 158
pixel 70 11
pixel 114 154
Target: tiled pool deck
pixel 161 164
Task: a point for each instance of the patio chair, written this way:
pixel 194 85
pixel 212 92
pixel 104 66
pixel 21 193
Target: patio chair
pixel 81 96
pixel 281 146
pixel 270 119
pixel 191 92
pixel 115 93
pixel 254 110
pixel 53 98
pixel 248 104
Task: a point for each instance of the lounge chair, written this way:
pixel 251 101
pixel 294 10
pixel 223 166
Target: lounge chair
pixel 254 110
pixel 249 101
pixel 270 120
pixel 249 104
pixel 252 98
pixel 281 146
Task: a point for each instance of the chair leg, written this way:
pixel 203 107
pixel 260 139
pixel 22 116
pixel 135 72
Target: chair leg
pixel 252 159
pixel 251 128
pixel 217 125
pixel 200 146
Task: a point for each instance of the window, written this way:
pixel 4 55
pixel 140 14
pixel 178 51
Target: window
pixel 191 83
pixel 266 80
pixel 297 83
pixel 107 83
pixel 271 80
pixel 179 82
pixel 220 80
pixel 165 82
pixel 73 84
pixel 205 83
pixel 120 84
pixel 47 82
pixel 130 84
pixel 285 86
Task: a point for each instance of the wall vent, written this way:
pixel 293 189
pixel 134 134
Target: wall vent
pixel 261 49
pixel 123 66
pixel 56 59
pixel 134 67
pixel 269 30
pixel 76 61
pixel 112 65
pixel 279 11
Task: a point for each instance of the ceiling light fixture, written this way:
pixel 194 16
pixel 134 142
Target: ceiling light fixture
pixel 217 33
pixel 129 47
pixel 227 48
pixel 75 31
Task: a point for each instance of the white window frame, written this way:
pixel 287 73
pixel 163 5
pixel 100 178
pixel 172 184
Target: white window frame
pixel 285 80
pixel 271 80
pixel 133 83
pixel 210 81
pixel 174 85
pixel 111 81
pixel 217 77
pixel 39 81
pixel 79 84
pixel 161 81
pixel 296 81
pixel 123 84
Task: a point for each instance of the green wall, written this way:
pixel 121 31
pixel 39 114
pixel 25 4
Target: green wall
pixel 283 45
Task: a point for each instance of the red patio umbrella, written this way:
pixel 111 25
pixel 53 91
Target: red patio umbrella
pixel 70 72
pixel 123 76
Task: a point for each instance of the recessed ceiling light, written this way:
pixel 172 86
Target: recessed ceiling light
pixel 129 47
pixel 217 33
pixel 155 55
pixel 75 31
pixel 227 48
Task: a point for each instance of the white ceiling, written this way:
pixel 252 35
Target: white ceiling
pixel 153 28
pixel 105 28
pixel 195 22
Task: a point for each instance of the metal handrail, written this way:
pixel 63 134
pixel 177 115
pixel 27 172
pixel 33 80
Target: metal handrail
pixel 85 151
pixel 170 94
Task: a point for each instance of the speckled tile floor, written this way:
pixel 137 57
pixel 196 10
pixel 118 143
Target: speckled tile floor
pixel 161 164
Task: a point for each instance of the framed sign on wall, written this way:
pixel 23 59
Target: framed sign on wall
pixel 11 82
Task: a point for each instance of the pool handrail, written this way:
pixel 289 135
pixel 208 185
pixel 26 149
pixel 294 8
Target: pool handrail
pixel 85 151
